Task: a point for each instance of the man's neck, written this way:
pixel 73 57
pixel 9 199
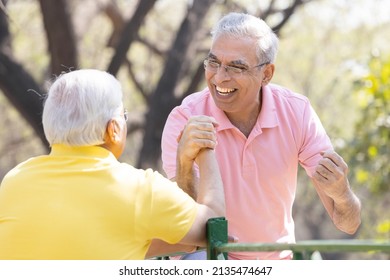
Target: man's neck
pixel 245 121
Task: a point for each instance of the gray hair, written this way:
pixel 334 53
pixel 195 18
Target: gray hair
pixel 78 107
pixel 245 25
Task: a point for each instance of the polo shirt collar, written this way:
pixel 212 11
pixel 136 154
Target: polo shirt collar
pixel 219 116
pixel 83 151
pixel 268 116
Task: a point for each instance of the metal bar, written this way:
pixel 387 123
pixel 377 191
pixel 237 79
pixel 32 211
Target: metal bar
pixel 310 245
pixel 218 246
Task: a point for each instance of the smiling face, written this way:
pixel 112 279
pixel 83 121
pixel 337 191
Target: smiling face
pixel 238 95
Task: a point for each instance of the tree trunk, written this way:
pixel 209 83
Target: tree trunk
pixel 22 91
pixel 60 35
pixel 163 99
pixel 5 42
pixel 17 85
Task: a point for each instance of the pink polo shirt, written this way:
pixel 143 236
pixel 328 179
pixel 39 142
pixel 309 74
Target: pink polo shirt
pixel 259 172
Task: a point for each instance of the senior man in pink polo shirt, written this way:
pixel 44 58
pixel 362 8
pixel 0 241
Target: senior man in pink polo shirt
pixel 263 132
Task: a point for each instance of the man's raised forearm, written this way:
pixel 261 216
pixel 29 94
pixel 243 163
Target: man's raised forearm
pixel 346 213
pixel 211 192
pixel 186 178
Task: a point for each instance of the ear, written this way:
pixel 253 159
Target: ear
pixel 268 74
pixel 112 132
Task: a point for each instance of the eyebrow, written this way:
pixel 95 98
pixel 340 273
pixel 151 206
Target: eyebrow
pixel 233 62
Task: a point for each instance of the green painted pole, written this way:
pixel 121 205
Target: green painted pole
pixel 217 235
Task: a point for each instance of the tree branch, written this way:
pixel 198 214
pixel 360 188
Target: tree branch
pixel 23 93
pixel 129 34
pixel 163 98
pixel 137 84
pixel 287 13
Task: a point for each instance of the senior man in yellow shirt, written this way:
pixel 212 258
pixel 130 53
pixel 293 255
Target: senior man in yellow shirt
pixel 80 202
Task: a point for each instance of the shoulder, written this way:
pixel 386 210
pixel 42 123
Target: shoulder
pixel 148 177
pixel 286 100
pixel 196 102
pixel 284 94
pixel 26 167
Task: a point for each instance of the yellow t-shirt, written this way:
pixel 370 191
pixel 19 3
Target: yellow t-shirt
pixel 81 203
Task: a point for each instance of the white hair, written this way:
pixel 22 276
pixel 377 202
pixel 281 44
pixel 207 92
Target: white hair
pixel 245 25
pixel 78 107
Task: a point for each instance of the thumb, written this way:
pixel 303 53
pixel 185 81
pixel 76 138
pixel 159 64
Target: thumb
pixel 232 239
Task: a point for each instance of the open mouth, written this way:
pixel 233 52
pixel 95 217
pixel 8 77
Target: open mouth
pixel 225 91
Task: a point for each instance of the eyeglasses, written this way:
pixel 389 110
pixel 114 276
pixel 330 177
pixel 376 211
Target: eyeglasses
pixel 213 66
pixel 125 114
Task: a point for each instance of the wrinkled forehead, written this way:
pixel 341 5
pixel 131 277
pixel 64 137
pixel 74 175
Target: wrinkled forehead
pixel 228 49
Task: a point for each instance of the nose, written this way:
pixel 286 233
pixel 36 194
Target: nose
pixel 222 74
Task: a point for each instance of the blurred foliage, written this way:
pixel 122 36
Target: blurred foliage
pixel 370 146
pixel 369 149
pixel 330 61
pixel 383 230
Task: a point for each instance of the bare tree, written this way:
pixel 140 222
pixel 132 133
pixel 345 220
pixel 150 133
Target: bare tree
pixel 16 83
pixel 182 61
pixel 163 98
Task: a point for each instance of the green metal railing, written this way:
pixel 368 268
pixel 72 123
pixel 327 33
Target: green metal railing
pixel 218 245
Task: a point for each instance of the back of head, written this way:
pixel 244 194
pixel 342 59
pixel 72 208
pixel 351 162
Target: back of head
pixel 244 25
pixel 79 105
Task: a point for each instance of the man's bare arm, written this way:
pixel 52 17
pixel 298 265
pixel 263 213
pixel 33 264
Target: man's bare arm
pixel 332 185
pixel 199 133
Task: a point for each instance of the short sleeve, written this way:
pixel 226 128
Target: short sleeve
pixel 175 123
pixel 168 212
pixel 315 140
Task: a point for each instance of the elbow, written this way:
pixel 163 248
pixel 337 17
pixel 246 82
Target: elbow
pixel 220 211
pixel 215 209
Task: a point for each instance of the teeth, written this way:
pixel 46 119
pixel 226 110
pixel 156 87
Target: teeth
pixel 224 91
